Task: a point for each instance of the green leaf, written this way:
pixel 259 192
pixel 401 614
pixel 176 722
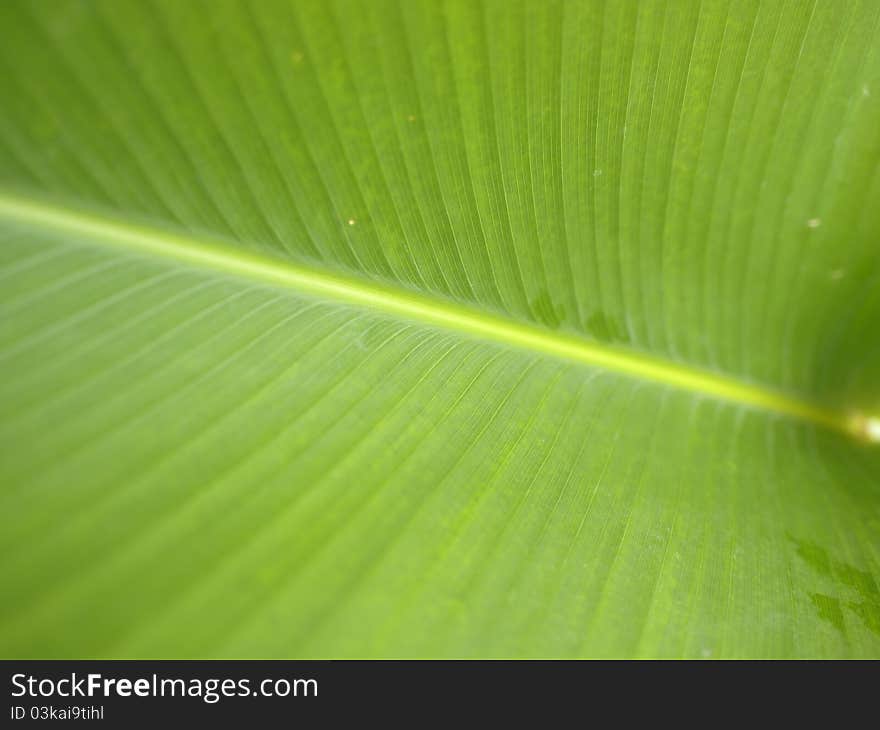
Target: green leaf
pixel 497 329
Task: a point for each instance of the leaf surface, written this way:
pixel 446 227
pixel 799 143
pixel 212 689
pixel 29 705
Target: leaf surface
pixel 497 329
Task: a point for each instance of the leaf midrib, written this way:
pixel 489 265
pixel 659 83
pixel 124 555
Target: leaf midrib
pixel 213 254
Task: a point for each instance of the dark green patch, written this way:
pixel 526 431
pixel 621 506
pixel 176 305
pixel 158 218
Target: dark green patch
pixel 605 328
pixel 865 604
pixel 815 556
pixel 542 307
pixel 869 614
pixel 829 610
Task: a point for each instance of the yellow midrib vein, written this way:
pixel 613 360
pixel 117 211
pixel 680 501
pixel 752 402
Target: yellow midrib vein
pixel 218 256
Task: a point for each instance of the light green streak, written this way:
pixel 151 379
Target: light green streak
pixel 216 255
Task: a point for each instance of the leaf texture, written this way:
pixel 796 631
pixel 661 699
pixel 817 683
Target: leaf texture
pixel 207 451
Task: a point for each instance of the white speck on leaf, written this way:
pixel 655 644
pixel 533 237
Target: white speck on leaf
pixel 351 221
pixel 411 118
pixel 872 429
pixel 814 222
pixel 866 91
pixel 597 172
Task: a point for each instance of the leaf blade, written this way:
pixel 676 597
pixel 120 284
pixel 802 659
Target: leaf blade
pixel 203 464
